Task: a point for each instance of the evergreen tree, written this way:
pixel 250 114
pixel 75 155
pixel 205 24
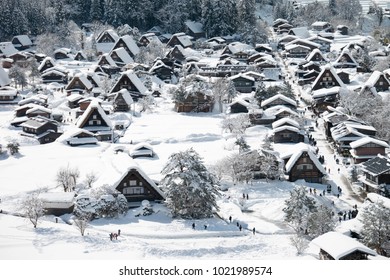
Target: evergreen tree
pixel 298 209
pixel 220 17
pixel 190 188
pixel 376 226
pixel 97 10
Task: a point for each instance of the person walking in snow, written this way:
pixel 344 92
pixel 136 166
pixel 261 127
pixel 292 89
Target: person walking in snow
pixel 193 225
pixel 205 226
pixel 254 231
pixel 230 219
pixel 119 232
pixel 240 227
pixel 247 196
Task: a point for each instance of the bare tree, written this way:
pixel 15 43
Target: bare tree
pixel 82 222
pixel 90 178
pixel 299 242
pixel 67 178
pixel 32 208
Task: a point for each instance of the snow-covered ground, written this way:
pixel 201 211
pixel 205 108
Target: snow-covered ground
pixel 156 236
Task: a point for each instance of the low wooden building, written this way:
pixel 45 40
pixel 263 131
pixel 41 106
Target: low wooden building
pixel 367 148
pixel 376 174
pixel 194 102
pixel 337 246
pixel 57 203
pixel 278 99
pixel 243 83
pixel 287 134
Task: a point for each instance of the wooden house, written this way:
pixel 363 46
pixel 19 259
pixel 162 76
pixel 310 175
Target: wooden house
pixel 136 186
pixel 180 39
pixel 278 22
pixel 78 137
pixel 73 100
pixel 327 78
pixel 367 148
pixel 127 42
pixel 80 56
pixel 287 134
pixel 80 84
pixel 53 75
pixel 304 165
pixel 337 246
pixel 148 38
pixel 161 70
pixel 121 57
pixel 46 63
pixel 379 81
pixel 376 174
pixel 345 60
pixel 57 203
pixel 38 110
pixel 194 102
pixel 95 120
pixel 194 29
pixel 130 81
pixel 278 99
pixel 324 44
pixel 243 83
pixel 315 56
pixel 21 42
pixel 107 36
pixel 8 95
pixel 296 51
pixel 62 53
pixel 300 32
pixel 285 40
pixel 344 76
pixel 106 59
pixel 121 100
pixel 323 98
pixel 41 128
pixel 321 26
pixel 240 106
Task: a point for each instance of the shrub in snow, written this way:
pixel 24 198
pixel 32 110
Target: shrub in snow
pixel 190 188
pixel 147 208
pixel 13 147
pixel 85 206
pixel 320 222
pixel 107 206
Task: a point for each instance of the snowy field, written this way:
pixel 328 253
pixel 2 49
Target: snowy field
pixel 156 236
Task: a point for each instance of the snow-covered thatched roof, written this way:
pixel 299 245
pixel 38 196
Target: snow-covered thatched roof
pixel 7 49
pixel 23 39
pixel 123 55
pixel 134 80
pixel 339 245
pixel 373 79
pixel 278 96
pixel 59 200
pixel 298 153
pixel 285 127
pixel 332 72
pixel 195 27
pixel 284 121
pixel 94 105
pixel 130 44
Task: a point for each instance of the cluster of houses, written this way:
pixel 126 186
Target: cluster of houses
pixel 95 92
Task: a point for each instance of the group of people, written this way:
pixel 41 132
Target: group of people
pixel 114 235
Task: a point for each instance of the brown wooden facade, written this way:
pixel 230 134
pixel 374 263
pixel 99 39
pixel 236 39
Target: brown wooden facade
pixel 288 136
pixel 305 169
pixel 194 103
pixel 136 188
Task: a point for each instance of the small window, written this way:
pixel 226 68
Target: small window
pixel 133 182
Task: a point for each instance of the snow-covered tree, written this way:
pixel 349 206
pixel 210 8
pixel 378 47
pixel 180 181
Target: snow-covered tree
pixel 298 209
pixel 349 9
pixel 321 221
pixel 32 208
pixel 236 125
pixel 18 74
pixel 90 178
pixel 300 242
pixel 190 189
pixel 220 17
pixel 242 144
pixel 376 226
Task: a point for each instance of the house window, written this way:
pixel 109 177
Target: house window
pixel 94 117
pixel 134 190
pixel 133 182
pixel 305 167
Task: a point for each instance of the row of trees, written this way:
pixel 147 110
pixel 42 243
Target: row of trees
pixel 220 17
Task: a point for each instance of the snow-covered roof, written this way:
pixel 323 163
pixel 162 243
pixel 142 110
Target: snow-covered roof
pixel 71 133
pixel 83 79
pixel 44 61
pixel 8 91
pixel 278 109
pixel 339 245
pixel 184 39
pixel 302 42
pixel 141 149
pixel 322 92
pixel 377 198
pixel 297 154
pixel 332 71
pixel 195 27
pixel 123 55
pixel 236 47
pixel 57 199
pixel 94 105
pixel 278 96
pixel 345 52
pixel 241 75
pixel 130 43
pixel 134 80
pixel 313 53
pixel 319 38
pixel 377 165
pixel 365 140
pixel 285 121
pixel 4 79
pixel 7 48
pixel 126 96
pixel 301 32
pixel 290 47
pixel 24 40
pixel 36 108
pixel 285 127
pixel 373 79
